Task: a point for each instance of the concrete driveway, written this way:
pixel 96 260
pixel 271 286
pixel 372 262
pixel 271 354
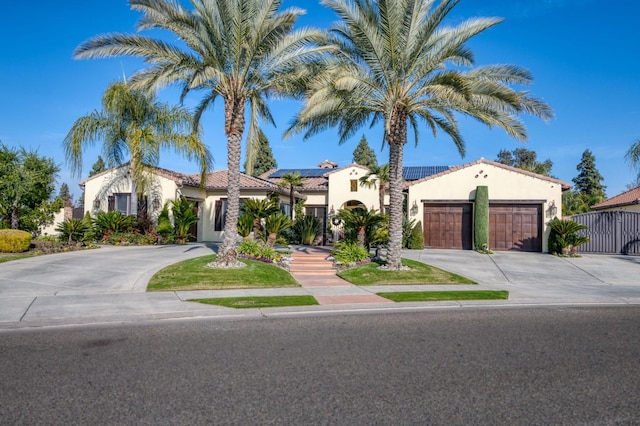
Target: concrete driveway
pixel 109 269
pixel 108 284
pixel 542 278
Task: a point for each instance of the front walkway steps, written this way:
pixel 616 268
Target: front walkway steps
pixel 310 267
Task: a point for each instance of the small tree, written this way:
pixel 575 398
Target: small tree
pixel 274 225
pixel 525 159
pixel 264 160
pixel 291 181
pixel 364 155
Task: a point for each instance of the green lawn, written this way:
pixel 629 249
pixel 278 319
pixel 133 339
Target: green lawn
pixel 420 273
pixel 193 274
pixel 6 257
pixel 433 296
pixel 259 301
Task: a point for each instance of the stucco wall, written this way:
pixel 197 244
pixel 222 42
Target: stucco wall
pixel 340 189
pixel 504 185
pixel 118 180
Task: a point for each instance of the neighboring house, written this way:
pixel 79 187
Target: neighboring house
pixel 60 216
pixel 613 227
pixel 442 197
pixel 628 201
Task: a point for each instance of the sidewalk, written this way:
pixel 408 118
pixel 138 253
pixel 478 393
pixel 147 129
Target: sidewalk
pixel 108 285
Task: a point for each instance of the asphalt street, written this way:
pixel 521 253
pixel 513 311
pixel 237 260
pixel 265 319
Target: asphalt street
pixel 571 366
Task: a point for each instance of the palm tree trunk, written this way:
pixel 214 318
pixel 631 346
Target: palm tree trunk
pixel 396 137
pixel 291 202
pixel 381 195
pixel 234 127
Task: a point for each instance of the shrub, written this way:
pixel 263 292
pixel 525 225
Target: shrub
pixel 563 238
pixel 129 238
pixel 73 230
pixel 407 230
pixel 257 250
pixel 481 218
pixel 416 239
pixel 308 228
pixel 245 226
pixel 165 228
pixel 114 221
pixel 274 225
pixel 349 252
pixel 184 216
pixel 14 241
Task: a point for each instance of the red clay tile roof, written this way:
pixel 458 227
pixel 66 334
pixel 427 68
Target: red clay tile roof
pixel 627 198
pixel 452 169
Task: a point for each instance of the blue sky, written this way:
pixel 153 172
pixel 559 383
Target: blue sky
pixel 584 55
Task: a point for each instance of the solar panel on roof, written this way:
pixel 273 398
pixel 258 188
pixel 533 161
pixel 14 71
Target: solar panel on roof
pixel 419 172
pixel 303 172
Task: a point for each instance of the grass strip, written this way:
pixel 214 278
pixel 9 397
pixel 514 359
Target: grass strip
pixel 7 257
pixel 433 296
pixel 193 274
pixel 259 301
pixel 419 273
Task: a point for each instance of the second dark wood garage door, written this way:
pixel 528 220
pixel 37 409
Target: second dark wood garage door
pixel 515 227
pixel 448 226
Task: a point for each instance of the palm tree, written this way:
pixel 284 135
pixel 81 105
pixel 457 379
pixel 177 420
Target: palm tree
pixel 241 51
pixel 132 124
pixel 257 210
pixel 291 181
pixel 633 157
pixel 398 64
pixel 361 221
pixel 378 176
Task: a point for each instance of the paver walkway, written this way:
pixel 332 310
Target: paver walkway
pixel 310 267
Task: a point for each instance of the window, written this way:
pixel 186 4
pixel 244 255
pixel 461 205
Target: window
pixel 318 212
pixel 354 185
pixel 220 218
pixel 120 202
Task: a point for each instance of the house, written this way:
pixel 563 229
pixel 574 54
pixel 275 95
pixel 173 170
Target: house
pixel 111 190
pixel 442 197
pixel 627 201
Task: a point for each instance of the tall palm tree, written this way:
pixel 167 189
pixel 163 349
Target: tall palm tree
pixel 398 64
pixel 291 181
pixel 378 176
pixel 133 126
pixel 241 51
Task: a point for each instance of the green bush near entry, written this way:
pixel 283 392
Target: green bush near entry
pixel 416 239
pixel 14 241
pixel 481 219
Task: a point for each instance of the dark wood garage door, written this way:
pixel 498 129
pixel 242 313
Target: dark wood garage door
pixel 447 226
pixel 515 227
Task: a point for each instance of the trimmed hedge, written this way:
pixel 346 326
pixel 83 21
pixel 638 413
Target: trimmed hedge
pixel 481 219
pixel 416 239
pixel 14 241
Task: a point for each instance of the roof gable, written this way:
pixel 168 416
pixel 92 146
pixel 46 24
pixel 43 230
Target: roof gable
pixel 627 198
pixel 565 185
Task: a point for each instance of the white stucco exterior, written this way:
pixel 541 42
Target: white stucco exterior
pixel 506 185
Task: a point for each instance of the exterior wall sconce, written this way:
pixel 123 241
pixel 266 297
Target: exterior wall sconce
pixel 96 204
pixel 414 208
pixel 156 203
pixel 552 211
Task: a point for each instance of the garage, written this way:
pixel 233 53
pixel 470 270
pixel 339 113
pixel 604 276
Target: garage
pixel 515 227
pixel 448 226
